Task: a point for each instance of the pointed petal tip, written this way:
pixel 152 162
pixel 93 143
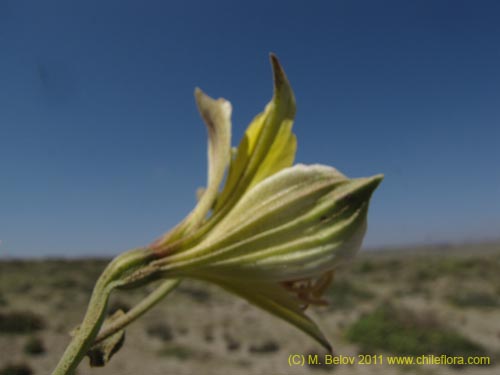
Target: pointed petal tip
pixel 376 180
pixel 369 184
pixel 321 339
pixel 199 95
pixel 326 345
pixel 282 90
pixel 275 62
pixel 329 348
pixel 203 100
pixel 362 188
pixel 278 72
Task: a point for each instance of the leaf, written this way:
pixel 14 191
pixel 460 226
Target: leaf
pixel 100 354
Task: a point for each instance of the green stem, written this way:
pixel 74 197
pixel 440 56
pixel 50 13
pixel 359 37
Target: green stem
pixel 94 316
pixel 147 303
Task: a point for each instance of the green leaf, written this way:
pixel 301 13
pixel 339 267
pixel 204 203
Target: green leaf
pixel 100 354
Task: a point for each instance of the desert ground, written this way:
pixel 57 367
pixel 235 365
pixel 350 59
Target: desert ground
pixel 420 301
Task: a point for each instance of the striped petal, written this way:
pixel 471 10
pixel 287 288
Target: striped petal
pixel 298 223
pixel 268 144
pixel 274 299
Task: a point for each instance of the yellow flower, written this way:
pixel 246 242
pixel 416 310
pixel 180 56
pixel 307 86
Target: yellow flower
pixel 275 232
pixel 273 235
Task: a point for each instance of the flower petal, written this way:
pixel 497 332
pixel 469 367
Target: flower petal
pixel 268 145
pixel 217 117
pixel 275 299
pixel 296 224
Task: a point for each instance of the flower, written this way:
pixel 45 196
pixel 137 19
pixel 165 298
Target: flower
pixel 276 232
pixel 273 235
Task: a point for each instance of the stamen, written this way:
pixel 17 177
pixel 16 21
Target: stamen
pixel 310 290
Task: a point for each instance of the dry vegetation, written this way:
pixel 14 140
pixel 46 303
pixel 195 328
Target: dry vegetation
pixel 441 300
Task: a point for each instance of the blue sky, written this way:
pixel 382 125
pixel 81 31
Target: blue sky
pixel 102 149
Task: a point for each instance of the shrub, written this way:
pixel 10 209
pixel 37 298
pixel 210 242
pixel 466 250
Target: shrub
pixel 3 301
pixel 344 294
pixel 179 352
pixel 266 347
pixel 365 267
pixel 160 331
pixel 404 332
pixel 63 282
pixel 464 298
pixel 19 322
pixel 197 294
pixel 231 343
pixel 16 369
pixel 34 346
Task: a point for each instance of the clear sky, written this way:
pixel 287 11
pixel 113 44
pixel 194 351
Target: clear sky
pixel 102 149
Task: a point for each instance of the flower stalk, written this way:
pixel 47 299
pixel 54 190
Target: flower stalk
pixel 94 317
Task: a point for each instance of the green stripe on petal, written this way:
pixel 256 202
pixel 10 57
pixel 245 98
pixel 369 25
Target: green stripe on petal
pixel 281 154
pixel 268 144
pixel 297 223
